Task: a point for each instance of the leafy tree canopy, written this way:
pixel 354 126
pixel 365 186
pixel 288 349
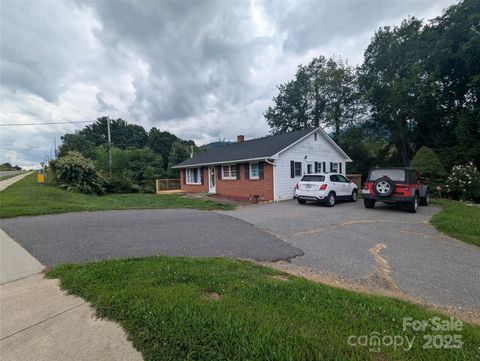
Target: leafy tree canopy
pixel 322 93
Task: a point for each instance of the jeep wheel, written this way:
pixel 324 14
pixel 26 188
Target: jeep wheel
pixel 425 200
pixel 354 196
pixel 384 187
pixel 301 201
pixel 413 206
pixel 330 200
pixel 369 203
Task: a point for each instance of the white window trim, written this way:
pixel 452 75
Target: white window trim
pixel 333 165
pixel 250 171
pixel 229 177
pixel 188 178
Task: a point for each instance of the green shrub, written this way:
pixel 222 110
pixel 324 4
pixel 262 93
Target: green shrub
pixel 120 183
pixel 76 173
pixel 133 170
pixel 428 164
pixel 464 183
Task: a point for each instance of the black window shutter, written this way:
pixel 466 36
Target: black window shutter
pixel 247 170
pixel 260 170
pixel 324 167
pixel 219 172
pixel 238 170
pixel 292 169
pixel 331 166
pixel 184 171
pixel 340 167
pixel 316 167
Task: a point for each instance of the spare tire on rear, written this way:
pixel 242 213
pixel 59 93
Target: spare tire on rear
pixel 384 187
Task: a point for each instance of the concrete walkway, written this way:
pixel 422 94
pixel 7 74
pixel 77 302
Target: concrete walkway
pixel 8 182
pixel 40 321
pixel 15 262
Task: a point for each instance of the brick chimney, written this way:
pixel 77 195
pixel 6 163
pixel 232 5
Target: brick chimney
pixel 240 138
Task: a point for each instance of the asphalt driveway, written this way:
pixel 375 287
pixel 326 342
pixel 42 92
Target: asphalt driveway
pixel 90 236
pixel 382 247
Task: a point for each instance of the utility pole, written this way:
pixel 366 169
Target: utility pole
pixel 109 147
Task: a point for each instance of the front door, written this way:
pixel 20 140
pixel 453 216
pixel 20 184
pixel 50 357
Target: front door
pixel 309 167
pixel 212 187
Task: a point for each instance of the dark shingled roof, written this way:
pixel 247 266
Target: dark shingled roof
pixel 250 149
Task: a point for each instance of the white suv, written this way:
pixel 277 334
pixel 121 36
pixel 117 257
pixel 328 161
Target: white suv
pixel 325 187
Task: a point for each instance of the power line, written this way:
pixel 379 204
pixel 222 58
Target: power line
pixel 49 123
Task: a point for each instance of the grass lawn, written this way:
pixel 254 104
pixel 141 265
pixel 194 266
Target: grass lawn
pixel 459 220
pixel 179 308
pixel 26 198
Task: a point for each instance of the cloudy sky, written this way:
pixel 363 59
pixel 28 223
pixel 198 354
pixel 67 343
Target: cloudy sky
pixel 202 70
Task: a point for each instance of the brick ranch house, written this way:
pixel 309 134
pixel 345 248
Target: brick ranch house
pixel 263 169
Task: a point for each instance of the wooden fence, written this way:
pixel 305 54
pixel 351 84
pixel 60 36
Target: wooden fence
pixel 168 186
pixel 357 179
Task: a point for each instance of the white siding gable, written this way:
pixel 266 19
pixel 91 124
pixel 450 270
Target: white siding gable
pixel 307 151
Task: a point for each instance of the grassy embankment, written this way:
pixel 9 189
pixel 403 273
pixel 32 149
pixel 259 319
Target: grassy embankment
pixel 25 198
pixel 459 220
pixel 218 309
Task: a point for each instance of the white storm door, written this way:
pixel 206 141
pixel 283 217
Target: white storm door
pixel 212 179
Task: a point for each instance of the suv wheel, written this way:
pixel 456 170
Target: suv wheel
pixel 354 196
pixel 330 200
pixel 301 201
pixel 425 200
pixel 369 203
pixel 413 206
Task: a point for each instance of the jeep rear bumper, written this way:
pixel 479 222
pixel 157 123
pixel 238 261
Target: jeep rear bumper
pixel 392 199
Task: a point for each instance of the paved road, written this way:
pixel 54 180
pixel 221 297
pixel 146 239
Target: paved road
pixel 86 236
pixel 3 173
pixel 352 243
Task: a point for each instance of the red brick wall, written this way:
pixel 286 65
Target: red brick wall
pixel 245 188
pixel 194 188
pixel 237 188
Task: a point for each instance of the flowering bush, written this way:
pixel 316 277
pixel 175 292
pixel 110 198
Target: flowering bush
pixel 77 173
pixel 464 182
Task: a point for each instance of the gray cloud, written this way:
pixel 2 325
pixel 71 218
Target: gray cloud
pixel 204 70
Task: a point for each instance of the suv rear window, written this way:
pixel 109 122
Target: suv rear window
pixel 313 178
pixel 393 174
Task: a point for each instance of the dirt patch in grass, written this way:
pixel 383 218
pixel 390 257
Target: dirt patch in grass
pixel 212 296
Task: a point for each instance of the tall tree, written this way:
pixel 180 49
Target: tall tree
pixel 423 84
pixel 179 152
pixel 387 78
pixel 322 93
pixel 161 142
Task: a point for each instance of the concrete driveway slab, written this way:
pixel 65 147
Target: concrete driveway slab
pixel 90 236
pixel 382 247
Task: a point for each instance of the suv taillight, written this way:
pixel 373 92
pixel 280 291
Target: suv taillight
pixel 296 185
pixel 322 187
